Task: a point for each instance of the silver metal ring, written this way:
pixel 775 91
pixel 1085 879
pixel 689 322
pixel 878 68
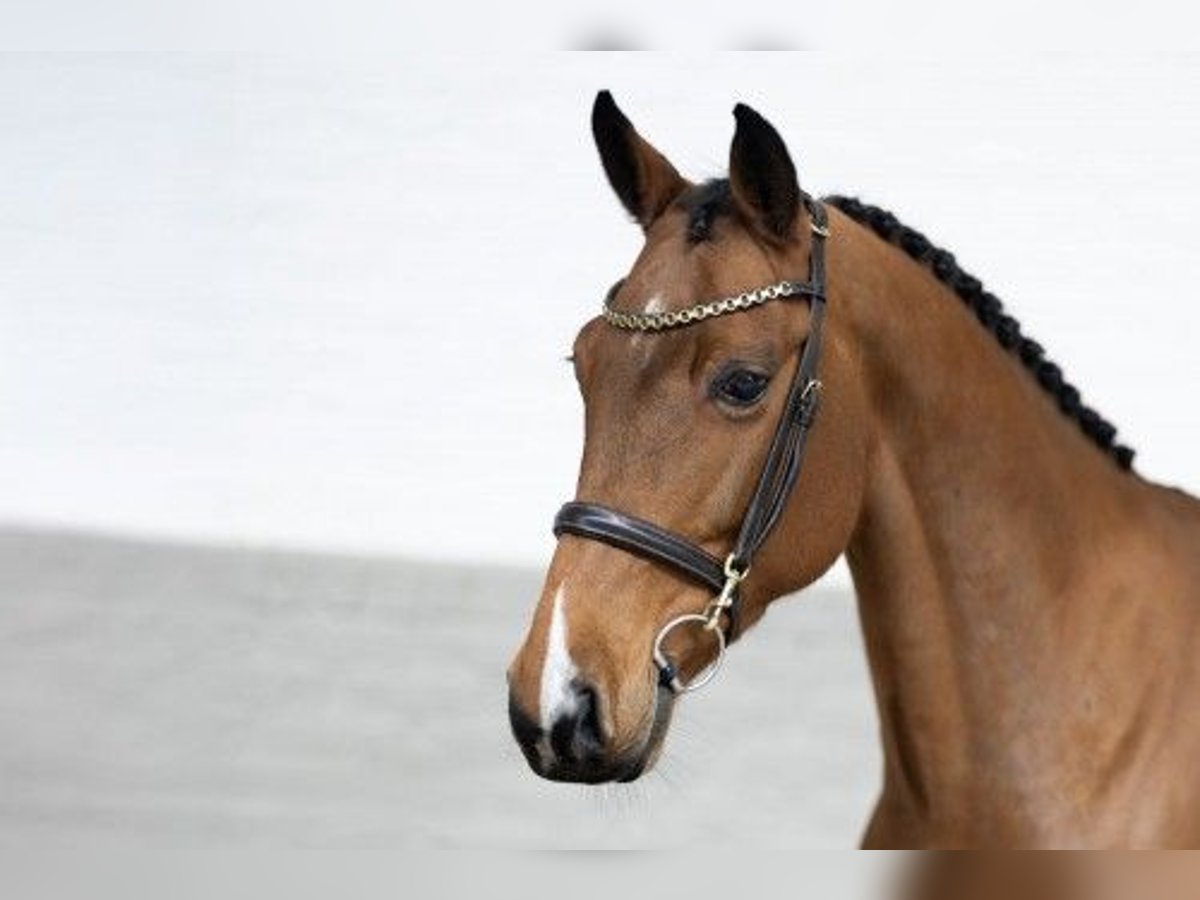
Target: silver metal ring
pixel 665 665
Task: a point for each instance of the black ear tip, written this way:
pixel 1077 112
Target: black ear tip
pixel 744 115
pixel 605 112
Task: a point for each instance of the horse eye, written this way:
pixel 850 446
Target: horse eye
pixel 741 387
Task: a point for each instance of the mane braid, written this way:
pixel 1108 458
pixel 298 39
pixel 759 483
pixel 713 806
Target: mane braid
pixel 990 313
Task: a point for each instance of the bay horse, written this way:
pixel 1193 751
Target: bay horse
pixel 1029 604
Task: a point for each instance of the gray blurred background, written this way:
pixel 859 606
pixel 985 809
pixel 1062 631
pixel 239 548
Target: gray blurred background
pixel 215 694
pixel 285 418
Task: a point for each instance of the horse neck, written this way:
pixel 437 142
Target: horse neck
pixel 983 508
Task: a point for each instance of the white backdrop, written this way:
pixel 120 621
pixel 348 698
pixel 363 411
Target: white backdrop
pixel 321 303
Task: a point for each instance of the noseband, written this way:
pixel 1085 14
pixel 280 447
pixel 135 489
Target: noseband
pixel 601 523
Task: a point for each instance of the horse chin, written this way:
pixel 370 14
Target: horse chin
pixel 664 705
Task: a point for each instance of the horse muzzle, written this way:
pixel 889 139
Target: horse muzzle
pixel 575 747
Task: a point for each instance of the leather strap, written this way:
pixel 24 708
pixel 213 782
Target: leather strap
pixel 618 529
pixel 786 453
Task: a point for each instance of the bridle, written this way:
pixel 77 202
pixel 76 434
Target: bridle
pixel 780 470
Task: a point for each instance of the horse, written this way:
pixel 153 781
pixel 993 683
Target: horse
pixel 1029 603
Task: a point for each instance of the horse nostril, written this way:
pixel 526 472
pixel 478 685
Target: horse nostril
pixel 588 733
pixel 578 736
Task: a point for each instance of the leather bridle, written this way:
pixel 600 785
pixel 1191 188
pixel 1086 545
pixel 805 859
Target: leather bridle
pixel 780 470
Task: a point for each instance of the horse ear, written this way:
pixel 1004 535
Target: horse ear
pixel 761 175
pixel 643 179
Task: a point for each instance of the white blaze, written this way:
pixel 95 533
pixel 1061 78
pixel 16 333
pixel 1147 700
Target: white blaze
pixel 655 305
pixel 557 699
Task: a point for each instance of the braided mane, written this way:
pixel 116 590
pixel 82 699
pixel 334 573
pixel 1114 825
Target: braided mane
pixel 707 202
pixel 990 313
